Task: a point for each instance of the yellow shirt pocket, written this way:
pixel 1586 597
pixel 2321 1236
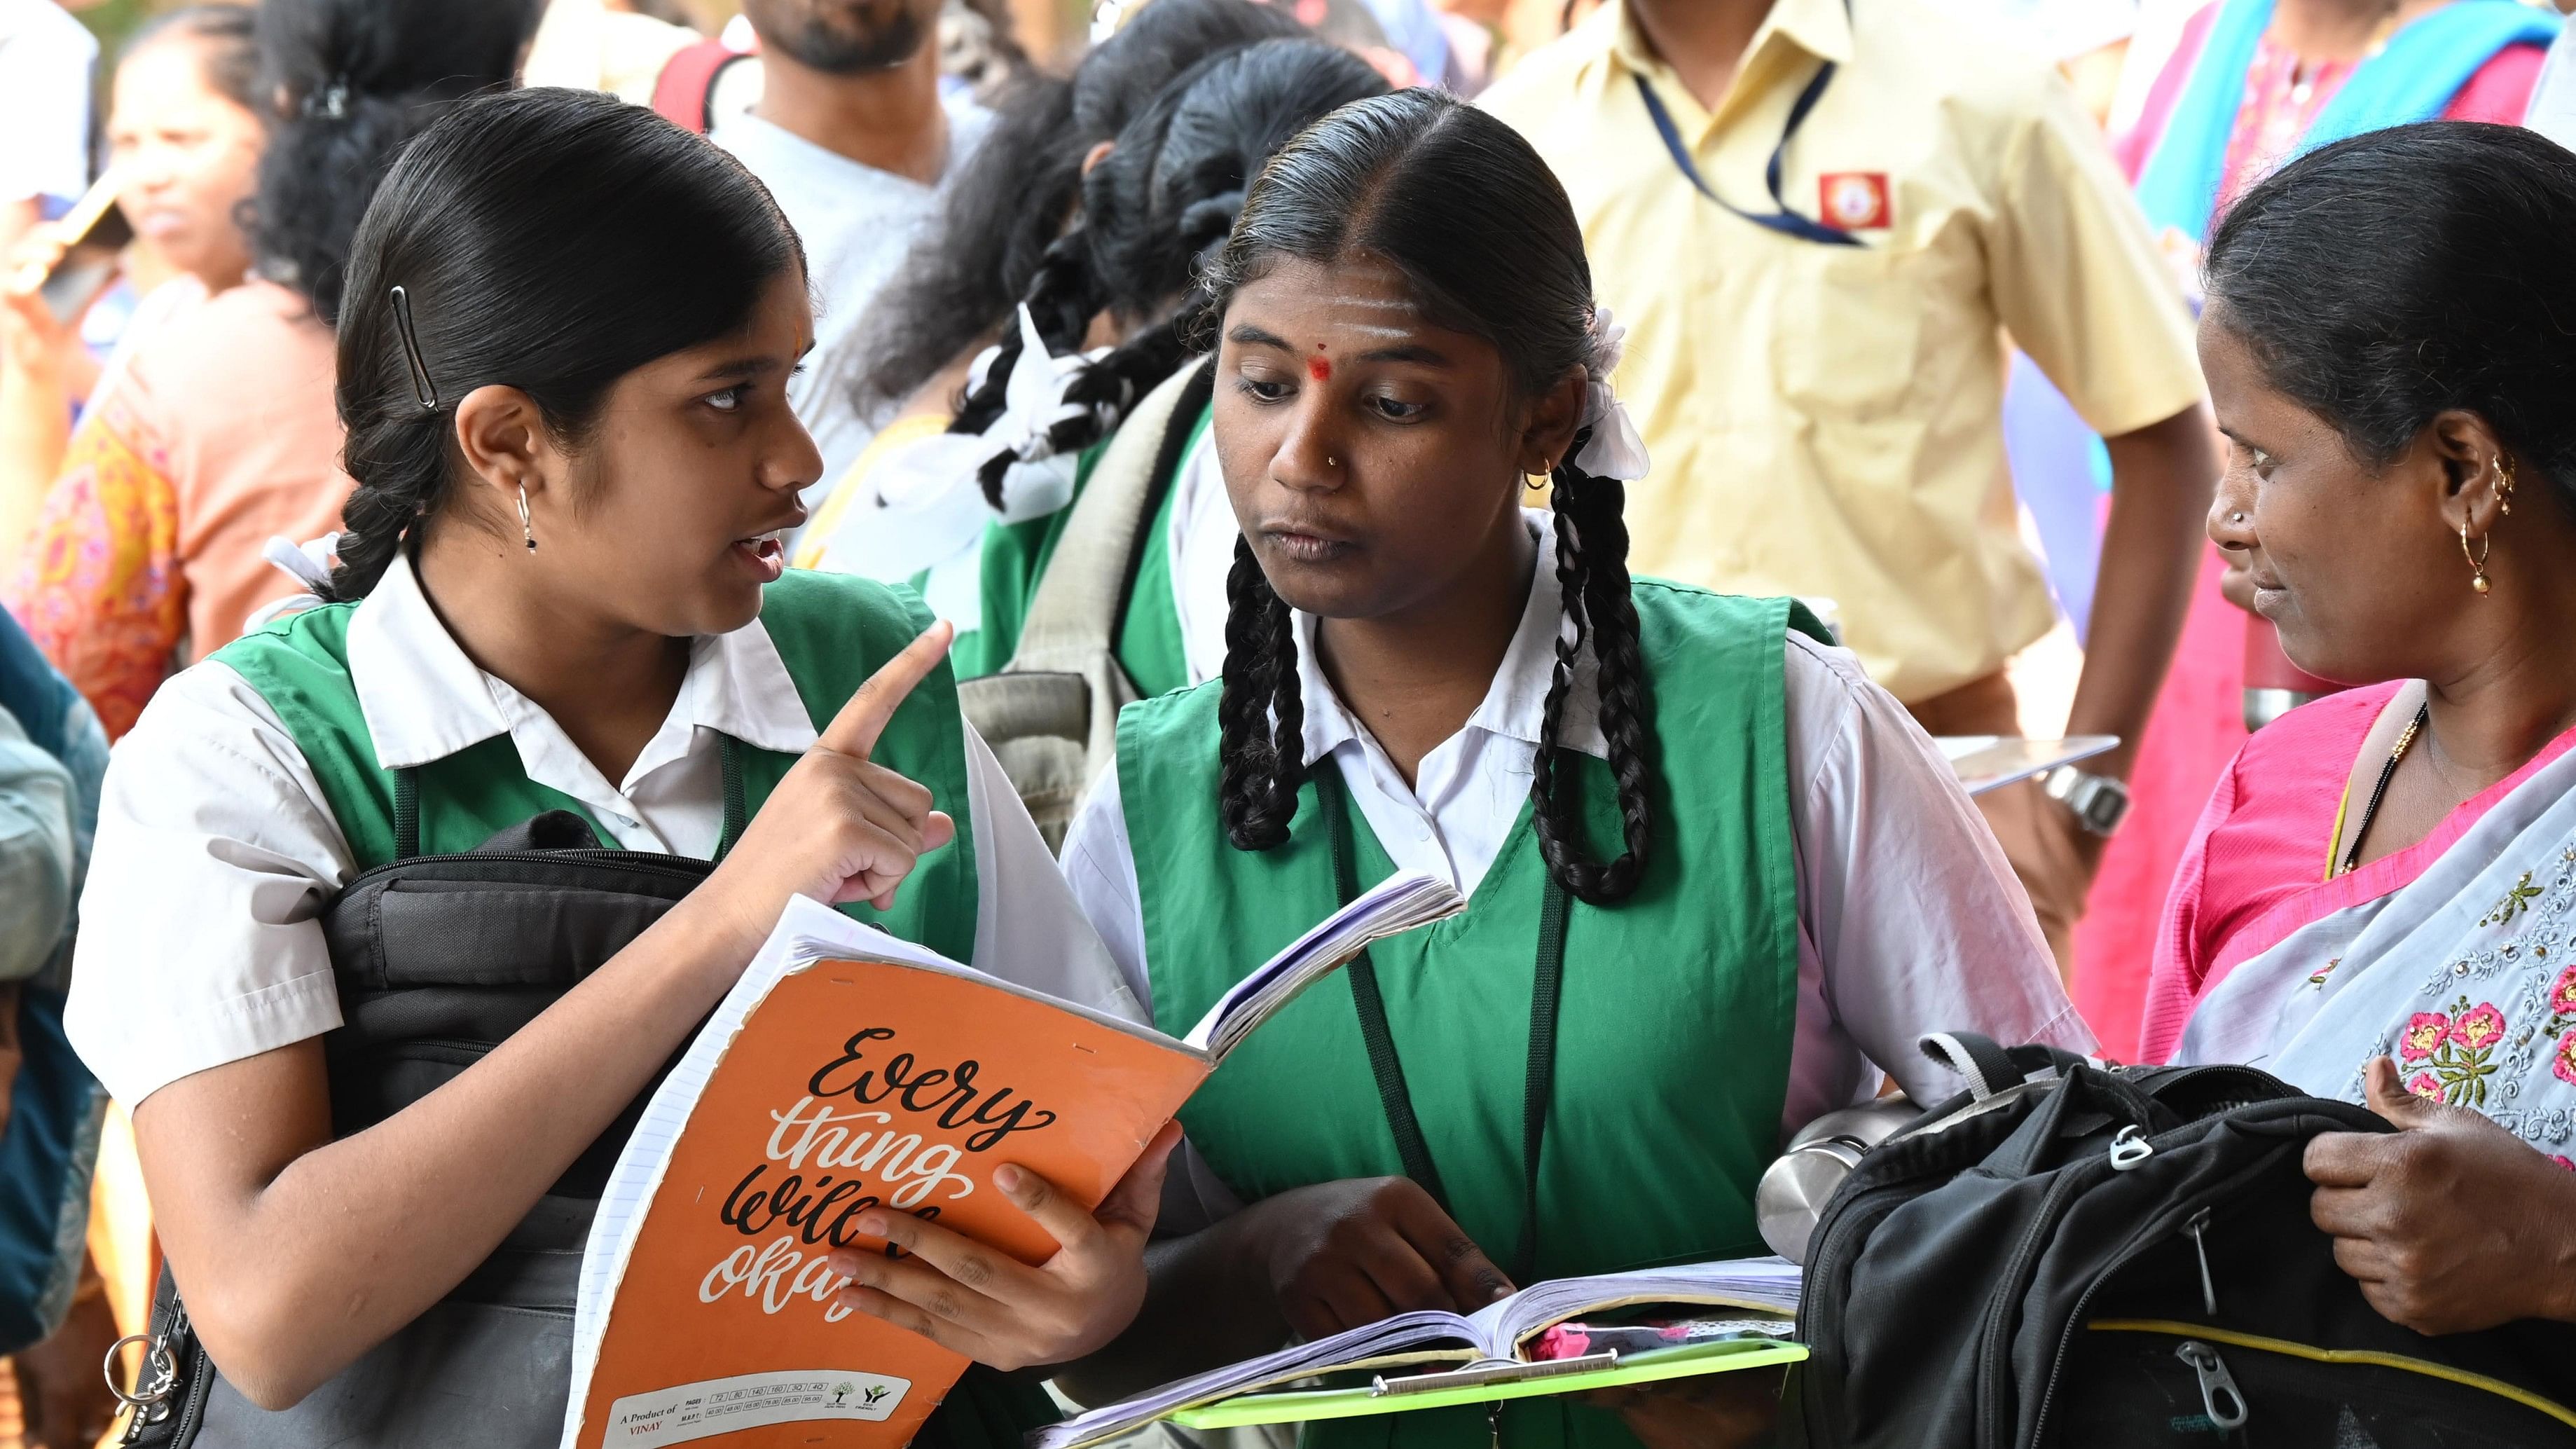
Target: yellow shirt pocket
pixel 1851 327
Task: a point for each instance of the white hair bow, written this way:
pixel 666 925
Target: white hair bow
pixel 1615 450
pixel 1033 402
pixel 308 564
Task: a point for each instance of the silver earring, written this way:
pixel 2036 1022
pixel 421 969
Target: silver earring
pixel 526 529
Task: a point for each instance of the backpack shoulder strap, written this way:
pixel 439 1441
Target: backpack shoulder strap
pixel 1051 714
pixel 684 93
pixel 1074 615
pixel 1990 1067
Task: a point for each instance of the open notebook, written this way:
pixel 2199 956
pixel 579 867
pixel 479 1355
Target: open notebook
pixel 846 1071
pixel 1505 1350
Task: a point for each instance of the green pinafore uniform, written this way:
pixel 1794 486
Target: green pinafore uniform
pixel 832 632
pixel 1673 1024
pixel 1016 555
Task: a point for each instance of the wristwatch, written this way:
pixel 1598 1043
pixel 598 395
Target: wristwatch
pixel 2100 802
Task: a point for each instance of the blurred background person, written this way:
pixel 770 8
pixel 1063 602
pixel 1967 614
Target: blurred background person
pixel 220 432
pixel 853 136
pixel 958 290
pixel 54 1318
pixel 1819 223
pixel 184 137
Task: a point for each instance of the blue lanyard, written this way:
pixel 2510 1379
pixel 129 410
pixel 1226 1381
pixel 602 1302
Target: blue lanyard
pixel 1784 221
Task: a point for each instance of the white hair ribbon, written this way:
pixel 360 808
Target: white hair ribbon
pixel 1615 450
pixel 1033 403
pixel 308 564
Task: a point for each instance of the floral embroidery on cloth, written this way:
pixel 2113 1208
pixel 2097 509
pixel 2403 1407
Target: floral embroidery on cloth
pixel 2496 1028
pixel 100 588
pixel 2455 1048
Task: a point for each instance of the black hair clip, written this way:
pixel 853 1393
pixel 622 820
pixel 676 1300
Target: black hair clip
pixel 421 387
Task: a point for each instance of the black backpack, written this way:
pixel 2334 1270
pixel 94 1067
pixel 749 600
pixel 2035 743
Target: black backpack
pixel 2069 1254
pixel 438 960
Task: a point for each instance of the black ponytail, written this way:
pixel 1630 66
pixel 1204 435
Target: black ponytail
pixel 1013 196
pixel 547 240
pixel 354 80
pixel 1486 240
pixel 1154 213
pixel 1592 570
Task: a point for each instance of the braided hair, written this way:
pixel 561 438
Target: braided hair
pixel 1487 242
pixel 547 240
pixel 1153 213
pixel 1014 194
pixel 352 81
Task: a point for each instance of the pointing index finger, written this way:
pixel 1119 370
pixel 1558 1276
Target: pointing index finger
pixel 854 731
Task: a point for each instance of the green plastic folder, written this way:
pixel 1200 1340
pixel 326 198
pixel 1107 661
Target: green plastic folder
pixel 1300 1406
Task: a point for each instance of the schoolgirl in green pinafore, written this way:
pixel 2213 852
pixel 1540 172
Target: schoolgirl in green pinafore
pixel 373 1125
pixel 1586 1071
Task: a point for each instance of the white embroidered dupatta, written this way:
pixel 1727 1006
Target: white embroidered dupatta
pixel 2466 975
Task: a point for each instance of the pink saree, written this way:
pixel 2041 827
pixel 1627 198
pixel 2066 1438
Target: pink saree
pixel 2254 873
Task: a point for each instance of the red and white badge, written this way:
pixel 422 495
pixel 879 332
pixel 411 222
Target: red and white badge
pixel 1855 200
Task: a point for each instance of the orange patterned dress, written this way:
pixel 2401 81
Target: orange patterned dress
pixel 219 434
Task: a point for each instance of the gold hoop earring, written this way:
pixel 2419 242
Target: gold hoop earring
pixel 2477 561
pixel 529 530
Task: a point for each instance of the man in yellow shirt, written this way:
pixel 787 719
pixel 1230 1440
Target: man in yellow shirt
pixel 1818 219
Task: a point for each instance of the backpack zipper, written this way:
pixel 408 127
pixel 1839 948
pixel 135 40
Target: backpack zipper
pixel 2371 1357
pixel 648 862
pixel 2217 1385
pixel 1990 1371
pixel 2194 1225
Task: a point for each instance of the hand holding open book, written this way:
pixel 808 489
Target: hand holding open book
pixel 852 1077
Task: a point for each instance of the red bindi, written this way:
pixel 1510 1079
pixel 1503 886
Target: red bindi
pixel 1319 369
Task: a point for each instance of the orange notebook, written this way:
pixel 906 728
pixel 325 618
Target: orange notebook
pixel 848 1070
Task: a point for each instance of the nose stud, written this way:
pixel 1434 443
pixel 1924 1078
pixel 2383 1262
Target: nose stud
pixel 2237 519
pixel 1331 462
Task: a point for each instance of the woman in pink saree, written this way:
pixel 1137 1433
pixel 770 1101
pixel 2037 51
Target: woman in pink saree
pixel 2379 903
pixel 2253 83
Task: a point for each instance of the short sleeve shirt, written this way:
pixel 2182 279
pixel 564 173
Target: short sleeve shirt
pixel 1825 420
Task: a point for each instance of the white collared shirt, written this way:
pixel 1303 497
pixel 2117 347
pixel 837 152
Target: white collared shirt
pixel 1910 920
pixel 217 850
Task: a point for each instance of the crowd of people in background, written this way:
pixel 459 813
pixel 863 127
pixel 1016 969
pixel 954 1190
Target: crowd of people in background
pixel 1586 450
